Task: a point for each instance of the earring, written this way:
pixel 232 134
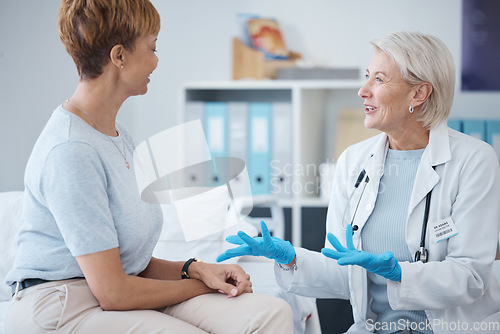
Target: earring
pixel 121 66
pixel 410 110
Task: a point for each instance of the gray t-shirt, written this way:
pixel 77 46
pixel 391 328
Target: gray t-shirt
pixel 80 198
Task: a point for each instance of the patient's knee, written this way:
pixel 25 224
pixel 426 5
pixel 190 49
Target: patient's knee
pixel 275 315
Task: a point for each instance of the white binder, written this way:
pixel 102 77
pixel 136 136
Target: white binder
pixel 237 145
pixel 194 110
pixel 281 163
pixel 195 176
pixel 259 147
pixel 238 134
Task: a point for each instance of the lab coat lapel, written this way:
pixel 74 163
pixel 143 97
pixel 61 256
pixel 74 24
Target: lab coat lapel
pixel 425 181
pixel 436 153
pixel 374 168
pixel 375 165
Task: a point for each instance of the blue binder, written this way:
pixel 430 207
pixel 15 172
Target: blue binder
pixel 216 131
pixel 455 124
pixel 493 135
pixel 259 148
pixel 475 128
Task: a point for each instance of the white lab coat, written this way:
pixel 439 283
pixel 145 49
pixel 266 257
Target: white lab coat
pixel 457 285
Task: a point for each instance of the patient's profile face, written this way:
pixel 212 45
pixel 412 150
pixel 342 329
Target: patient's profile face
pixel 138 64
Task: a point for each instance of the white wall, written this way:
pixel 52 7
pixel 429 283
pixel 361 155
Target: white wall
pixel 195 44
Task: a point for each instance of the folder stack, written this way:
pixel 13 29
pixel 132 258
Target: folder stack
pixel 256 133
pixel 475 128
pixel 487 130
pixel 493 135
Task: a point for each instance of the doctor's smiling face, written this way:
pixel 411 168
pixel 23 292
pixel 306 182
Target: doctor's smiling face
pixel 387 96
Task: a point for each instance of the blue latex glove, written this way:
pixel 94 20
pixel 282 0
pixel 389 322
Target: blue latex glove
pixel 385 265
pixel 271 247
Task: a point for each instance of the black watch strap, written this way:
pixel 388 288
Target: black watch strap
pixel 184 271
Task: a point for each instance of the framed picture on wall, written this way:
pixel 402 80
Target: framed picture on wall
pixel 481 45
pixel 266 36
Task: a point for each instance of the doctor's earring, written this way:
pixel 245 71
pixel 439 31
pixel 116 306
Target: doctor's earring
pixel 411 110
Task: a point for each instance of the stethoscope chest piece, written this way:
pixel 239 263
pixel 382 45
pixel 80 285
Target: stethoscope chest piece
pixel 422 255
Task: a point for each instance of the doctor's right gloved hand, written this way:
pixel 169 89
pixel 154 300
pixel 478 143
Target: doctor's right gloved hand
pixel 271 247
pixel 385 265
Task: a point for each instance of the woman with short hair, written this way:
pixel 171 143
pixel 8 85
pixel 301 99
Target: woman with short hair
pixel 84 262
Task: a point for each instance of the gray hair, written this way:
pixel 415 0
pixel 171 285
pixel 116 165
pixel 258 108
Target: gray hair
pixel 424 58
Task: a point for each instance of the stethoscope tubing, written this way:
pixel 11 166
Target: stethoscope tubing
pixel 422 254
pixel 356 185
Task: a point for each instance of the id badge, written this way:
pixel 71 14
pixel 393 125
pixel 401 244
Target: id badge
pixel 443 229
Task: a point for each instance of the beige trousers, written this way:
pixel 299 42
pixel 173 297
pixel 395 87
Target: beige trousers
pixel 69 306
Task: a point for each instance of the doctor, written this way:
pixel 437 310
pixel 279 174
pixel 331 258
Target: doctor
pixel 413 221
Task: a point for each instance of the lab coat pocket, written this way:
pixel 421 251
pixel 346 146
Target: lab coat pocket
pixel 438 251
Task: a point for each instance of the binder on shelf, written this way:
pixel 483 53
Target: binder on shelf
pixel 194 110
pixel 455 124
pixel 475 128
pixel 259 147
pixel 216 131
pixel 237 143
pixel 493 135
pixel 281 163
pixel 238 115
pixel 195 176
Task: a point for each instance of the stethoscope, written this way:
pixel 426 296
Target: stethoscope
pixel 422 254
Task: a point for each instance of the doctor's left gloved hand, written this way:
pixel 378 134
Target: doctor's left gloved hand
pixel 271 247
pixel 385 265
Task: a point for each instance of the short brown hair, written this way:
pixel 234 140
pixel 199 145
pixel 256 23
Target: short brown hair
pixel 90 28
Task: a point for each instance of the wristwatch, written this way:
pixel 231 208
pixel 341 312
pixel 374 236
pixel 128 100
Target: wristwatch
pixel 184 272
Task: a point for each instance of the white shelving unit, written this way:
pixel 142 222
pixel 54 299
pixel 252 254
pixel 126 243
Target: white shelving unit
pixel 315 105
